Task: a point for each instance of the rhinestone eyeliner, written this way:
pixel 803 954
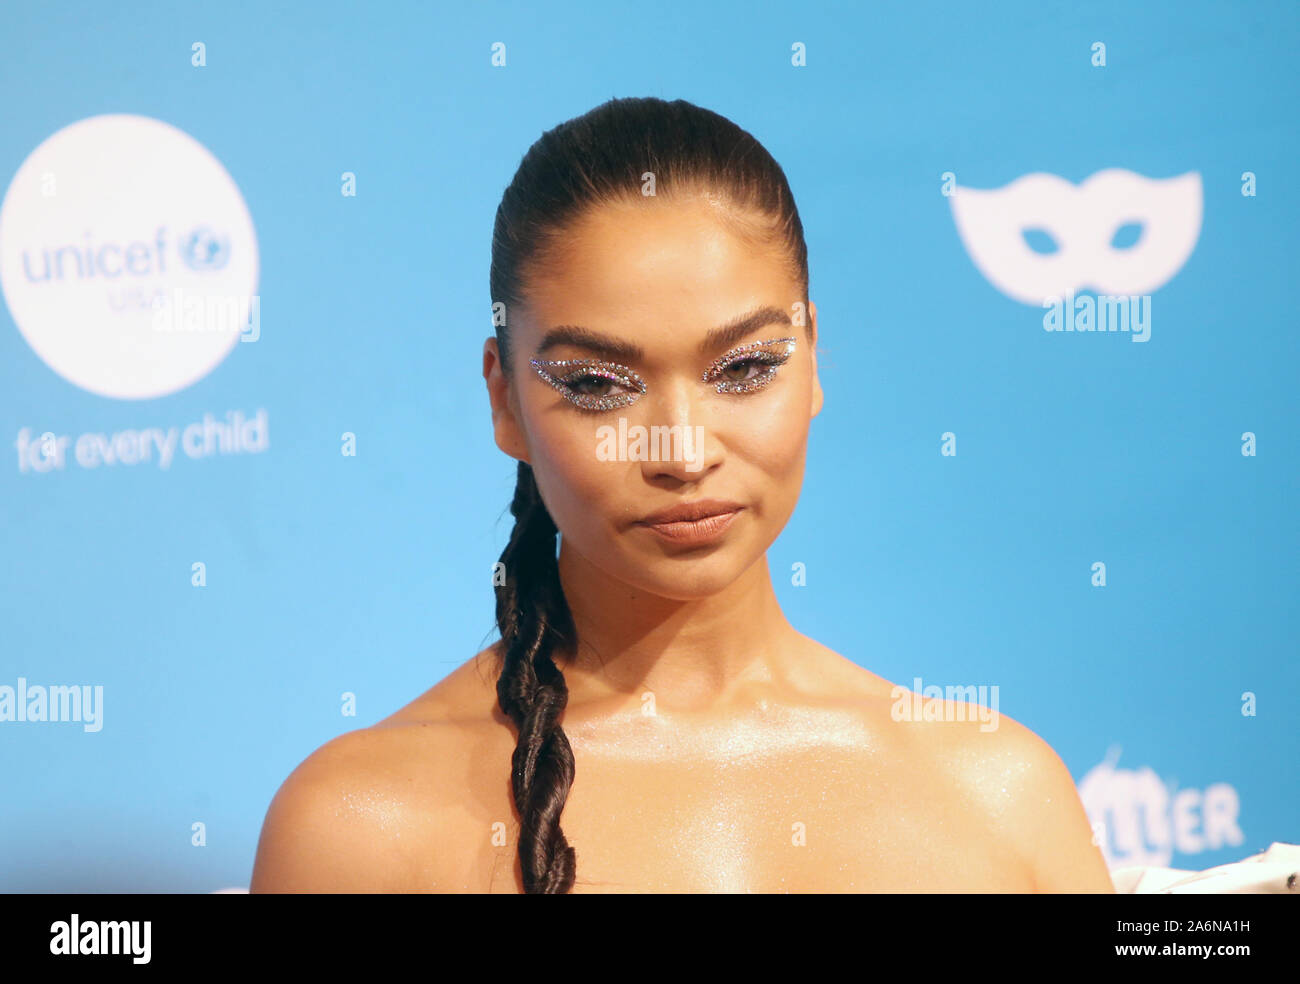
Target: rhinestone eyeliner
pixel 562 374
pixel 772 353
pixel 590 369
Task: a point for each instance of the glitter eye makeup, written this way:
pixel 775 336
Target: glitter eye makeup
pixel 569 376
pixel 578 372
pixel 769 356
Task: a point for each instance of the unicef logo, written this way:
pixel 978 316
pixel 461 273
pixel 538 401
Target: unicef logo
pixel 123 240
pixel 203 249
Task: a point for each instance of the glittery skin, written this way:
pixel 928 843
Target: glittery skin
pixel 796 780
pixel 762 791
pixel 771 354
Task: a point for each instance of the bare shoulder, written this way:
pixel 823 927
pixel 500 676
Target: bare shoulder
pixel 358 814
pixel 1011 784
pixel 1019 786
pixel 466 695
pixel 840 674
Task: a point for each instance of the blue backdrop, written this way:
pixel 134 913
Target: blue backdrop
pixel 1169 689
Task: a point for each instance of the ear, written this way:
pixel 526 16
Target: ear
pixel 506 430
pixel 817 386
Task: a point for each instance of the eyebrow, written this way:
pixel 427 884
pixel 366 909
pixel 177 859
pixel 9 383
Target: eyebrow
pixel 616 350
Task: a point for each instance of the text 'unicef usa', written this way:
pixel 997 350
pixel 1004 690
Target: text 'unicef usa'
pixel 179 311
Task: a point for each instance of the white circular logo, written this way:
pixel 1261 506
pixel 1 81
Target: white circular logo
pixel 128 258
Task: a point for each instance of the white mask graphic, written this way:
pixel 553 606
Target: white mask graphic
pixel 1083 221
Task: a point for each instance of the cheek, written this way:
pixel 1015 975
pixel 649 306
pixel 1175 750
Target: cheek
pixel 577 486
pixel 774 440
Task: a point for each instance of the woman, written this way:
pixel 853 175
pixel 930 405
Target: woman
pixel 649 720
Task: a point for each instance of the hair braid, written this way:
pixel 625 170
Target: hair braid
pixel 534 621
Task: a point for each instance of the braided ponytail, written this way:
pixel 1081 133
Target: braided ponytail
pixel 595 159
pixel 534 620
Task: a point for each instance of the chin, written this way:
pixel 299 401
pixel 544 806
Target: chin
pixel 689 576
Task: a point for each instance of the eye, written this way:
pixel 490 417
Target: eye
pixel 731 372
pixel 585 382
pixel 745 365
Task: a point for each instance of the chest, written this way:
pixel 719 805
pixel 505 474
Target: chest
pixel 820 820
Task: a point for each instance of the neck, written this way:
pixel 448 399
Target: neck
pixel 689 654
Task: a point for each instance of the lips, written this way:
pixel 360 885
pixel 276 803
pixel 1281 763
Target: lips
pixel 686 512
pixel 693 523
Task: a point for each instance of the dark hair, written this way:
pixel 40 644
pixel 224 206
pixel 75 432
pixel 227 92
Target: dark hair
pixel 596 159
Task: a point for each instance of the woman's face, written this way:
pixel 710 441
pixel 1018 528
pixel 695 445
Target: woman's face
pixel 659 277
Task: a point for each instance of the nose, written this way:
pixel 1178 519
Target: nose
pixel 680 434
